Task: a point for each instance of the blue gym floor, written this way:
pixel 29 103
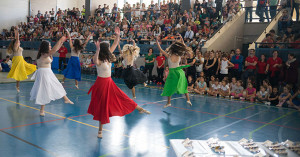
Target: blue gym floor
pixel 67 130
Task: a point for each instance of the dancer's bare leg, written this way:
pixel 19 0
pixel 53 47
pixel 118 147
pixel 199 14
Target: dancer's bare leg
pixel 76 84
pixel 133 92
pixel 142 110
pixel 63 80
pixel 168 103
pixel 188 99
pixel 67 100
pixel 100 130
pixel 18 86
pixel 42 110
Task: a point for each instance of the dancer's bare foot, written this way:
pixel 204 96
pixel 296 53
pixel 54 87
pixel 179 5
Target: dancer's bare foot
pixel 189 102
pixel 42 113
pixel 77 86
pixel 144 111
pixel 99 134
pixel 68 102
pixel 167 105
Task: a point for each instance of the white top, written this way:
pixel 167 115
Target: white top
pixel 224 69
pixel 263 94
pixel 199 68
pixel 173 65
pixel 215 87
pixel 104 69
pixel 73 53
pixel 44 62
pixel 224 88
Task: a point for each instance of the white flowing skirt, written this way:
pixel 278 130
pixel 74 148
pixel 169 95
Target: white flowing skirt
pixel 46 87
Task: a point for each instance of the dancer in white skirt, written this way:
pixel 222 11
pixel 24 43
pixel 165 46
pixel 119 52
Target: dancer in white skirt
pixel 46 87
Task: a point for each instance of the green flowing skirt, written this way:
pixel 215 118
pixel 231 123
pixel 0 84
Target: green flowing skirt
pixel 176 82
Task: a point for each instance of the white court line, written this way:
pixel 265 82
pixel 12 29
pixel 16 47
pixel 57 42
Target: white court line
pixel 226 126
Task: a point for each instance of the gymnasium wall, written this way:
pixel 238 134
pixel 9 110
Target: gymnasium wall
pixel 12 12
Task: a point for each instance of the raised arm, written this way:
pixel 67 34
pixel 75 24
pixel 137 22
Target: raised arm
pixel 16 37
pixel 70 39
pixel 88 39
pixel 96 56
pixel 160 49
pixel 116 41
pixel 57 45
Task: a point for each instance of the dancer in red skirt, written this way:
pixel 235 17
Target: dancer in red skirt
pixel 107 99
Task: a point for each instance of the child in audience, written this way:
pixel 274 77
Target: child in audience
pixel 273 97
pixel 250 92
pixel 237 90
pixel 201 87
pixel 262 95
pixel 214 90
pixel 267 85
pixel 190 84
pixel 232 84
pixel 295 100
pixel 224 89
pixel 284 97
pixel 224 66
pixel 212 80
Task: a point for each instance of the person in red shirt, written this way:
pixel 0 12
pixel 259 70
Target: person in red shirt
pixel 62 56
pixel 273 68
pixel 250 64
pixel 160 60
pixel 261 70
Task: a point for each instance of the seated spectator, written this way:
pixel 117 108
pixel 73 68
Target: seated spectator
pixel 190 84
pixel 262 95
pixel 233 83
pixel 250 93
pixel 214 90
pixel 224 89
pixel 273 97
pixel 284 97
pixel 189 33
pixel 284 21
pixel 5 66
pixel 294 101
pixel 201 87
pixel 268 42
pixel 237 90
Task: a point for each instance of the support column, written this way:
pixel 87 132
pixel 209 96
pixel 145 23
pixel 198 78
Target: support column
pixel 88 9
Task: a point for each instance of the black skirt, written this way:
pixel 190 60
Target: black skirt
pixel 133 77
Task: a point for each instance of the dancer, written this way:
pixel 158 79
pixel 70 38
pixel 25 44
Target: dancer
pixel 20 69
pixel 131 75
pixel 107 99
pixel 46 86
pixel 73 70
pixel 176 81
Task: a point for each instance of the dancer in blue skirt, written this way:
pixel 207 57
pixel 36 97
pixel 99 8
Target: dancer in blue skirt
pixel 73 70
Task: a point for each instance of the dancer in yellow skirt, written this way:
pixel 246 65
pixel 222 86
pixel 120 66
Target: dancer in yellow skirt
pixel 20 69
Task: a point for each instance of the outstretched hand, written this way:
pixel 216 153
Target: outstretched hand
pixel 97 44
pixel 117 31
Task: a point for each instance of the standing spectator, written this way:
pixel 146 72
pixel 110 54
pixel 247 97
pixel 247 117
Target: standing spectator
pixel 191 71
pixel 262 8
pixel 261 70
pixel 211 65
pixel 273 7
pixel 295 5
pixel 284 21
pixel 149 64
pixel 248 9
pixel 291 76
pixel 250 64
pixel 199 62
pixel 62 56
pixel 160 60
pixel 273 68
pixel 224 66
pixel 237 60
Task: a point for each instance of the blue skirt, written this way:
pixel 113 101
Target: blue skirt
pixel 73 70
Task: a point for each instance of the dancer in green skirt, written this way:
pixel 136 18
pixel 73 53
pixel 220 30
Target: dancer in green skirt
pixel 176 82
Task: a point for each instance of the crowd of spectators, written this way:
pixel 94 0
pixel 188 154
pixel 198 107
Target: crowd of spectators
pixel 139 22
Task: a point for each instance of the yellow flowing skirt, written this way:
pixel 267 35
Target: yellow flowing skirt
pixel 20 69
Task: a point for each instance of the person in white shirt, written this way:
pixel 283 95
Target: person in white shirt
pixel 199 62
pixel 189 33
pixel 224 66
pixel 214 89
pixel 262 95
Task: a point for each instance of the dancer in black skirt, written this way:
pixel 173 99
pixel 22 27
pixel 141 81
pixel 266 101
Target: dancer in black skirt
pixel 131 75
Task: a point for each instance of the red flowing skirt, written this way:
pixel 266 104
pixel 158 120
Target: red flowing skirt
pixel 108 100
